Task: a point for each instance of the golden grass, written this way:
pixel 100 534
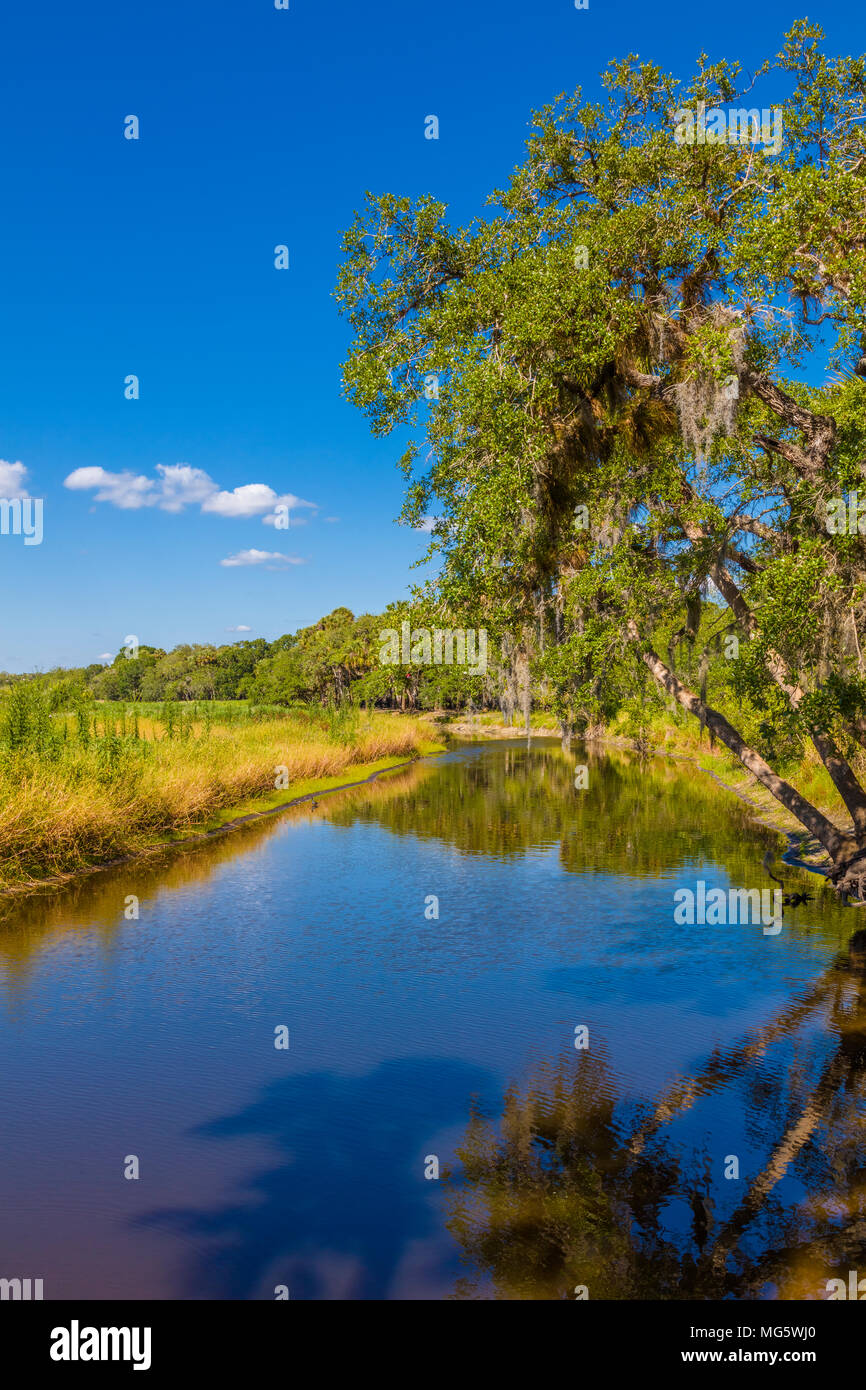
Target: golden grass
pixel 56 817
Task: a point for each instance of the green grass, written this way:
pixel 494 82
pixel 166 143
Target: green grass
pixel 83 789
pixel 358 772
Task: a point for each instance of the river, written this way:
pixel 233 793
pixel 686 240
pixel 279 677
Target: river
pixel 510 1073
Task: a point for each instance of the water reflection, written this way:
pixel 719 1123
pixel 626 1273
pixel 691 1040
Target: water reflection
pixel 573 1194
pixel 603 1169
pixel 94 901
pixel 636 817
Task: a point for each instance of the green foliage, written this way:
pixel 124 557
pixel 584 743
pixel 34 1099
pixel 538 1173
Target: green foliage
pixel 622 416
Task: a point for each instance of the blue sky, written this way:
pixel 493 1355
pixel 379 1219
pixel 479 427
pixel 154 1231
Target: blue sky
pixel 155 257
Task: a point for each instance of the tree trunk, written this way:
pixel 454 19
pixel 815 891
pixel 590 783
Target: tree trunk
pixel 842 776
pixel 840 846
pixel 509 683
pixel 524 689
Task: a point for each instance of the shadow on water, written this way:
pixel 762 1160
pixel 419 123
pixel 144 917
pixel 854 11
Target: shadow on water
pixel 347 1195
pixel 570 1194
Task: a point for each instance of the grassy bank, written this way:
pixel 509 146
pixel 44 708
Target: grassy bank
pixel 85 788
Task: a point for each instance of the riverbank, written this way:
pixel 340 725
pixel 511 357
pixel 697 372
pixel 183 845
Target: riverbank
pixel 86 807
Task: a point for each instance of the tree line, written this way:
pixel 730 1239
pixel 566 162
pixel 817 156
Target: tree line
pixel 334 662
pixel 338 662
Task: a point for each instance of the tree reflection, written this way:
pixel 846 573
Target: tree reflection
pixel 573 1188
pixel 636 817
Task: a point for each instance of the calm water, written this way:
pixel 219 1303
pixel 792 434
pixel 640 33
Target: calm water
pixel 413 1037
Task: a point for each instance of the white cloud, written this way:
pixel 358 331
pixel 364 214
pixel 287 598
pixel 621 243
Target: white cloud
pixel 241 627
pixel 105 656
pixel 271 558
pixel 250 500
pixel 178 485
pixel 12 483
pixel 182 484
pixel 126 490
pixel 427 524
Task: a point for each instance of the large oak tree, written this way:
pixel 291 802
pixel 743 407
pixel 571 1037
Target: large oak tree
pixel 639 373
